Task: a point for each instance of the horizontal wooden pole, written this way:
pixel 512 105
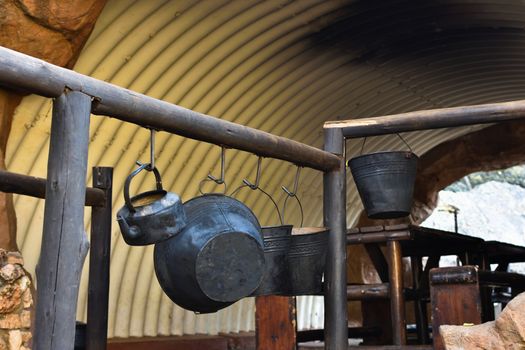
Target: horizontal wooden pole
pixel 36 187
pixel 24 72
pixel 430 119
pixel 368 291
pixel 377 237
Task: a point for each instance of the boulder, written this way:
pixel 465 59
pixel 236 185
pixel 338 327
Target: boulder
pixel 507 332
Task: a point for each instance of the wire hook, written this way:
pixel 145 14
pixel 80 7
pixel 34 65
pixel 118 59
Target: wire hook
pixel 151 150
pixel 293 194
pixel 295 184
pixel 257 177
pixel 220 181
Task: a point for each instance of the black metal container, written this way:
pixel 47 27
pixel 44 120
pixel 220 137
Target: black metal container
pixel 385 182
pixel 277 241
pixel 152 216
pixel 307 260
pixel 218 257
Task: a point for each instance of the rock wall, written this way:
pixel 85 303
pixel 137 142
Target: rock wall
pixel 506 332
pixel 16 303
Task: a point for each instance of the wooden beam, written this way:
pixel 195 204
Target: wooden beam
pixel 36 187
pixel 98 287
pixel 368 291
pixel 64 242
pixel 275 323
pixel 430 119
pixel 42 78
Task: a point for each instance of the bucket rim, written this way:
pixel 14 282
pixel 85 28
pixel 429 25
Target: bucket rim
pixel 412 154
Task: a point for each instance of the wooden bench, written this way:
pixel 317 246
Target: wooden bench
pixel 414 242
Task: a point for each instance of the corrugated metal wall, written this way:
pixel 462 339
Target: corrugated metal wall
pixel 281 66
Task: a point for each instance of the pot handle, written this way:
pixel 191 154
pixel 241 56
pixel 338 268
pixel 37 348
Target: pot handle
pixel 141 167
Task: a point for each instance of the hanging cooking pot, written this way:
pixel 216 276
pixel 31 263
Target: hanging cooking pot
pixel 216 260
pixel 385 182
pixel 277 241
pixel 307 260
pixel 152 216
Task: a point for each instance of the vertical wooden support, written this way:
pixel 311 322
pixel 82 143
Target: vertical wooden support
pixel 98 289
pixel 334 206
pixel 64 242
pixel 275 323
pixel 420 306
pixel 397 299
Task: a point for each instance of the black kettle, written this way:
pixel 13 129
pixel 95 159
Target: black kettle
pixel 152 216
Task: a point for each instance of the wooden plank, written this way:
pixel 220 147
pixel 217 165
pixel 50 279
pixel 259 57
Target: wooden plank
pixel 377 237
pixel 455 299
pixel 36 187
pixel 430 119
pixel 64 242
pixel 275 323
pixel 186 342
pixel 98 286
pixel 368 291
pixel 353 332
pixel 40 77
pixel 334 214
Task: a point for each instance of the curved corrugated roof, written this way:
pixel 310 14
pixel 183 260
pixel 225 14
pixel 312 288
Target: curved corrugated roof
pixel 280 66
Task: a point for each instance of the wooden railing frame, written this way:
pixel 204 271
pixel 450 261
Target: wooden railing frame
pixel 29 74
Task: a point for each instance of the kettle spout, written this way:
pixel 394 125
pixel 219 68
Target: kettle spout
pixel 130 233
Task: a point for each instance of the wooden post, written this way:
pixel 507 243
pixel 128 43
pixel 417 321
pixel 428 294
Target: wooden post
pixel 98 289
pixel 397 300
pixel 275 323
pixel 64 242
pixel 334 207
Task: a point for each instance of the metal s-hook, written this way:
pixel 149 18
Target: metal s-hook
pixel 257 177
pixel 220 181
pixel 295 184
pixel 293 194
pixel 151 150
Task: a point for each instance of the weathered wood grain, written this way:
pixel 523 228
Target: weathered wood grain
pixel 64 242
pixel 98 287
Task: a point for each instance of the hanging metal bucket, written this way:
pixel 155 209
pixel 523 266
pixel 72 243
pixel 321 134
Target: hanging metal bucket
pixel 277 241
pixel 385 182
pixel 216 260
pixel 307 260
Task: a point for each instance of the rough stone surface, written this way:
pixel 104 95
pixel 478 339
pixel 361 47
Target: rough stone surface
pixel 16 303
pixel 507 332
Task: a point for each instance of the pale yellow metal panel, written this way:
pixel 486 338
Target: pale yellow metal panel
pixel 255 63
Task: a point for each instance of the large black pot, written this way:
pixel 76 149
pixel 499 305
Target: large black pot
pixel 216 260
pixel 385 182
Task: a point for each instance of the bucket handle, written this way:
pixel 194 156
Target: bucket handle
pixel 398 135
pixel 147 167
pixel 218 180
pixel 293 193
pixel 255 186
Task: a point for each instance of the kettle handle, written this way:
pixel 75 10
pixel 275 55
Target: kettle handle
pixel 158 179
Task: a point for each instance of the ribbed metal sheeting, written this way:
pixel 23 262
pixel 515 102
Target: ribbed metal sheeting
pixel 280 66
